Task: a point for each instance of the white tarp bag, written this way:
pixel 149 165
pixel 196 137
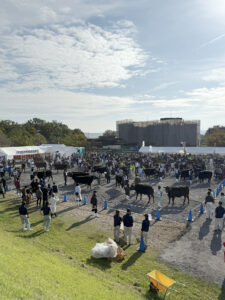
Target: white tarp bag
pixel 122 226
pixel 107 249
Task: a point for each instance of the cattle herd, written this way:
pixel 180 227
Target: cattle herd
pixel 135 171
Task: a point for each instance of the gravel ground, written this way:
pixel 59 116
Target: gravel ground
pixel 195 249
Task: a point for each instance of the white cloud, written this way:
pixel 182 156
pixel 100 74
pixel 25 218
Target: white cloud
pixel 217 75
pixel 35 13
pixel 74 57
pixel 88 111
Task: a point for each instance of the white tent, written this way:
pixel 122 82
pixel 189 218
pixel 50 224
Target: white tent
pixel 145 149
pixel 59 148
pixel 10 152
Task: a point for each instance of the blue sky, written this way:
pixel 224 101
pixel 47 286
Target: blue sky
pixel 90 63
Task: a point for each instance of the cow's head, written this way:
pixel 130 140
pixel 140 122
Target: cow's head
pixel 166 188
pixel 132 187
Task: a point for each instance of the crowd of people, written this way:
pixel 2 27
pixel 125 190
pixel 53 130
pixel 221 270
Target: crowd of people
pixel 126 165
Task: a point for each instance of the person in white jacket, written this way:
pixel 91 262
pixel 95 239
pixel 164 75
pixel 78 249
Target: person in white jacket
pixel 52 201
pixel 78 192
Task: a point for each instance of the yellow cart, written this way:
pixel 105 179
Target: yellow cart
pixel 160 282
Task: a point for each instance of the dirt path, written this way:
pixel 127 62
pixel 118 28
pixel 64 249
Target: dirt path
pixel 197 251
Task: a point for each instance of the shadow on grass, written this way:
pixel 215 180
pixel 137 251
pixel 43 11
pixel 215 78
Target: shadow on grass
pixel 34 224
pixel 152 296
pixel 100 263
pixel 32 235
pixel 89 218
pixel 131 260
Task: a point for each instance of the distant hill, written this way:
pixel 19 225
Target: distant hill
pixel 92 135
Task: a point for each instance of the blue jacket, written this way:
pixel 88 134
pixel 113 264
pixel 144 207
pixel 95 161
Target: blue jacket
pixel 117 220
pixel 220 211
pixel 128 220
pixel 145 225
pixel 23 210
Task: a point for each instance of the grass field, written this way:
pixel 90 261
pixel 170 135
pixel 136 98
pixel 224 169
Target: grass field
pixel 57 264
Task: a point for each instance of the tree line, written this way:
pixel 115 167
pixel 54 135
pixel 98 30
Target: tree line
pixel 214 136
pixel 37 132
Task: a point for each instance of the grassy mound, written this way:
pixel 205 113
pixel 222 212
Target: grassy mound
pixel 57 264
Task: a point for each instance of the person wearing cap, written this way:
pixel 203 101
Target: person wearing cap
pixel 24 216
pixel 209 200
pixel 145 229
pixel 94 203
pixel 219 213
pixel 117 223
pixel 128 224
pixel 47 216
pixel 211 193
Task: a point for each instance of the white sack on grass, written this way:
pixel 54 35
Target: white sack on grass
pixel 122 226
pixel 107 249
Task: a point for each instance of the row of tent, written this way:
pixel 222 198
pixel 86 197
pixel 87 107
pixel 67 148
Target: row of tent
pixel 12 152
pixel 192 150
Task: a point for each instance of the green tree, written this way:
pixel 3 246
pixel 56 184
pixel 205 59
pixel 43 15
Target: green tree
pixel 216 138
pixel 4 140
pixel 76 140
pixel 109 132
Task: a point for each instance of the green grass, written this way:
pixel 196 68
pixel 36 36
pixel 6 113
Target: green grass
pixel 58 265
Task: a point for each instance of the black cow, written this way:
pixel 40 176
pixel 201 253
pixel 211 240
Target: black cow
pixel 205 175
pixel 197 171
pixel 184 174
pixel 119 180
pixel 177 191
pixel 99 169
pixel 85 179
pixel 41 165
pixel 74 175
pixel 44 174
pixel 145 189
pixel 150 172
pixel 62 166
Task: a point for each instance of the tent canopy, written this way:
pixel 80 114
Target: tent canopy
pixel 10 152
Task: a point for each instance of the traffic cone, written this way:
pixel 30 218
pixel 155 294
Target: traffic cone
pixel 65 198
pixel 220 187
pixel 142 245
pixel 201 209
pixel 85 201
pixel 157 215
pixel 105 204
pixel 6 188
pixel 190 216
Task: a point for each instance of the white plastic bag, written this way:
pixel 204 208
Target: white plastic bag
pixel 122 226
pixel 149 217
pixel 107 249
